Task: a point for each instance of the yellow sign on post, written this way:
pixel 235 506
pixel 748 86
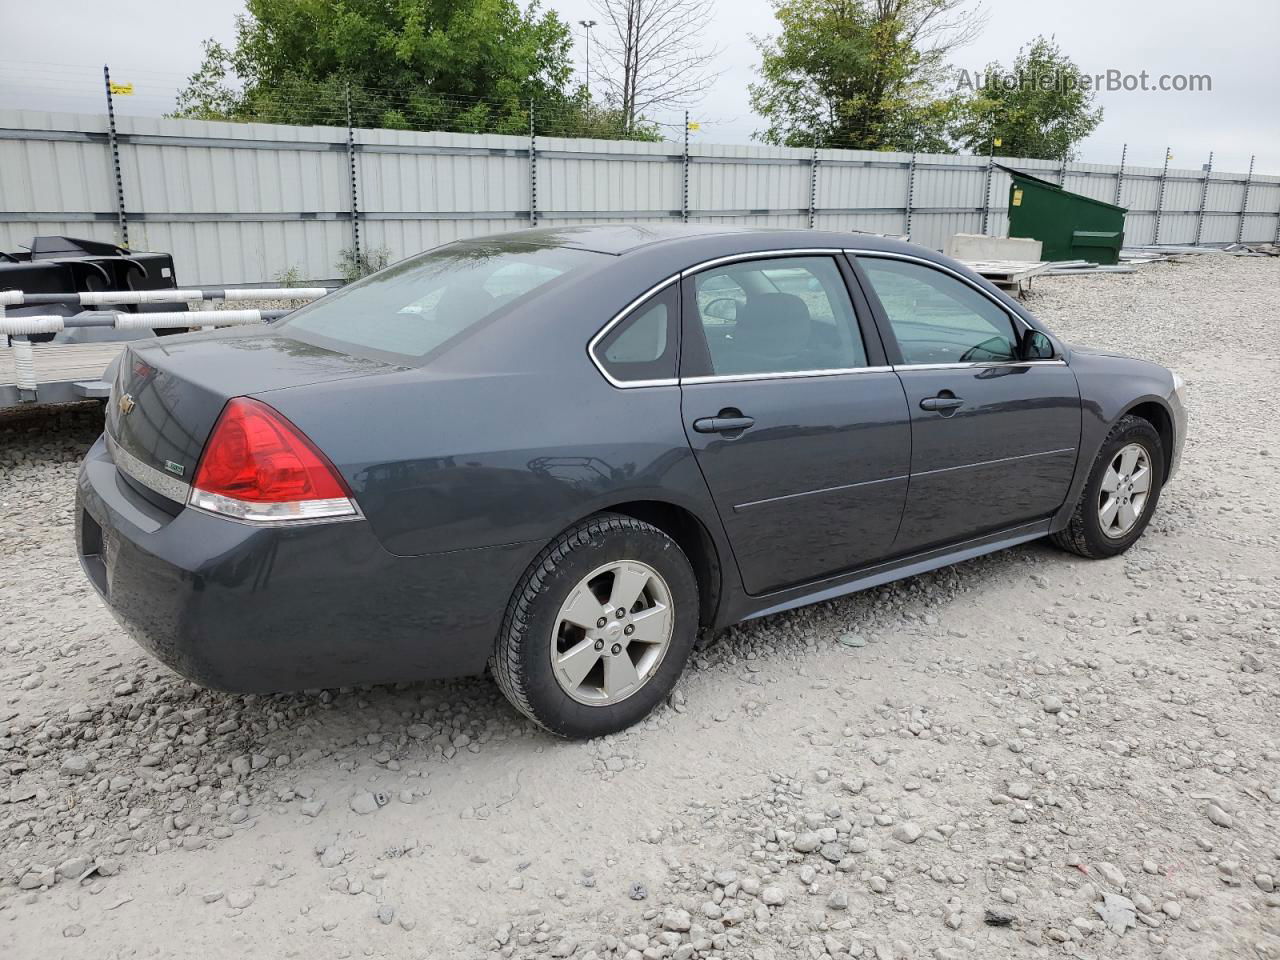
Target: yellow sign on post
pixel 694 127
pixel 122 89
pixel 999 142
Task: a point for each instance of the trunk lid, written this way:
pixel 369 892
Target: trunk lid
pixel 169 391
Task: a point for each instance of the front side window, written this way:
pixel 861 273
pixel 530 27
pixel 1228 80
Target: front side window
pixel 777 316
pixel 938 319
pixel 419 305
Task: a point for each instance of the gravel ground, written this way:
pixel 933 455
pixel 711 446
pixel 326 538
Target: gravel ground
pixel 1028 755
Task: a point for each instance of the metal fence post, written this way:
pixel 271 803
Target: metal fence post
pixel 986 193
pixel 813 181
pixel 1244 202
pixel 1155 240
pixel 1204 198
pixel 355 193
pixel 122 221
pixel 1124 148
pixel 533 170
pixel 684 173
pixel 911 190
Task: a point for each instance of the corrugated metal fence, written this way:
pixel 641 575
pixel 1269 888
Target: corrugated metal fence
pixel 243 203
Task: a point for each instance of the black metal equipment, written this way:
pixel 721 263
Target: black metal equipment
pixel 73 265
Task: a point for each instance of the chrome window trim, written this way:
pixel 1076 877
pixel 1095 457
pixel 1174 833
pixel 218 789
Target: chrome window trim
pixel 658 287
pixel 761 255
pixel 783 375
pixel 797 374
pixel 907 367
pixel 147 475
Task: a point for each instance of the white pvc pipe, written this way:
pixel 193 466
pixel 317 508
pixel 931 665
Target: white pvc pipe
pixel 96 298
pixel 24 368
pixel 10 298
pixel 218 318
pixel 20 326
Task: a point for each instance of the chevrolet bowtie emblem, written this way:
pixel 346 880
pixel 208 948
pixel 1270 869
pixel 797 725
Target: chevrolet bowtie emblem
pixel 126 403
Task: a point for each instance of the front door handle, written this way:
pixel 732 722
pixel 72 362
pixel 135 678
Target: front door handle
pixel 943 403
pixel 723 424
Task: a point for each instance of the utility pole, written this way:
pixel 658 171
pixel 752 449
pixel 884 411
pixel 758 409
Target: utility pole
pixel 586 26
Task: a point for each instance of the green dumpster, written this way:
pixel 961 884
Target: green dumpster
pixel 1070 226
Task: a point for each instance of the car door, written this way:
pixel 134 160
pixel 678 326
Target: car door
pixel 798 425
pixel 995 414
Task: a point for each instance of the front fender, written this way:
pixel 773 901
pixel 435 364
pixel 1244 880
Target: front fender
pixel 1110 388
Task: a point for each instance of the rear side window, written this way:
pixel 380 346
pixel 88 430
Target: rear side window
pixel 422 304
pixel 938 319
pixel 777 316
pixel 643 346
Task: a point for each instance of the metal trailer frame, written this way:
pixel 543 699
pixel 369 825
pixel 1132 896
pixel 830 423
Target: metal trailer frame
pixel 76 369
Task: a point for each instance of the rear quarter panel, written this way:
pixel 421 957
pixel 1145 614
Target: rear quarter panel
pixel 442 462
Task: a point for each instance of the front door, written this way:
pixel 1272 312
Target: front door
pixel 800 428
pixel 995 419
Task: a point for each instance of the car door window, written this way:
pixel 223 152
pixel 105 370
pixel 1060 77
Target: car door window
pixel 938 319
pixel 777 316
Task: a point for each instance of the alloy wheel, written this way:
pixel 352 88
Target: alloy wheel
pixel 1126 485
pixel 612 632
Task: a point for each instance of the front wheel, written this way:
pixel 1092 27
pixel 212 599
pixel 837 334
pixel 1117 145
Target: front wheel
pixel 599 628
pixel 1121 494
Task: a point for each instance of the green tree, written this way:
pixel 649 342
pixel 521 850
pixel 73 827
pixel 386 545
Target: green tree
pixel 865 74
pixel 471 66
pixel 1041 108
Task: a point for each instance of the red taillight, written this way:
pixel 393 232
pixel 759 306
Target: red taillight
pixel 257 465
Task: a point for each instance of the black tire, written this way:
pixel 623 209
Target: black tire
pixel 521 662
pixel 1083 535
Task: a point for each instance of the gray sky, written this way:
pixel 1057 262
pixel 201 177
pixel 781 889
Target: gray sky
pixel 51 55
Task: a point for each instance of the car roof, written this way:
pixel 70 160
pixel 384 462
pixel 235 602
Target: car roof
pixel 620 239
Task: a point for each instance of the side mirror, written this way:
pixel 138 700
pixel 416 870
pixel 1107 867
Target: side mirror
pixel 1036 346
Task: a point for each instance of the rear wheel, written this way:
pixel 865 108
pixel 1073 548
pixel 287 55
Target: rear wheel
pixel 599 628
pixel 1121 494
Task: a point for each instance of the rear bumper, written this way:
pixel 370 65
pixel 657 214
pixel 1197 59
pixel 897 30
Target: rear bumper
pixel 255 609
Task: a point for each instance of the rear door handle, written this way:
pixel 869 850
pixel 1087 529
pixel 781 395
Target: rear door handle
pixel 723 424
pixel 941 403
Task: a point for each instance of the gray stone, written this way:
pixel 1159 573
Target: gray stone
pixel 1111 874
pixel 676 920
pixel 75 765
pixel 806 843
pixel 72 869
pixel 240 899
pixel 1218 816
pixel 907 832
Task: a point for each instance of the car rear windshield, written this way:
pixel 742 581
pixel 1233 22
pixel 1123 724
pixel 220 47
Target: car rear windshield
pixel 423 304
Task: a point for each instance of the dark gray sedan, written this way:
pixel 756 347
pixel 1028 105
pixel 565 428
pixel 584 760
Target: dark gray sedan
pixel 562 453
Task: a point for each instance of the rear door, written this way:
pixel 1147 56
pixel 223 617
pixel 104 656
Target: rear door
pixel 995 416
pixel 800 428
